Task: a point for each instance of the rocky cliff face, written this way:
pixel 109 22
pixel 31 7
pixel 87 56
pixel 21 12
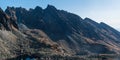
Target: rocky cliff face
pixel 59 32
pixel 6 22
pixel 16 39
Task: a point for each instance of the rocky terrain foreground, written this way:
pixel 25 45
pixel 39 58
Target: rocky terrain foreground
pixel 52 33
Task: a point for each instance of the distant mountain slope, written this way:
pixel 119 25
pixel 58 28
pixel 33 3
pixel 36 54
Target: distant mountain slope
pixel 60 31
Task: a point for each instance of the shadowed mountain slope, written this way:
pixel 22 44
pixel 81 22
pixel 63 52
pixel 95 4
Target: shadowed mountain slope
pixel 59 32
pixel 16 39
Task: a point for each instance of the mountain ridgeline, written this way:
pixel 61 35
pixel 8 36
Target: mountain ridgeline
pixel 54 32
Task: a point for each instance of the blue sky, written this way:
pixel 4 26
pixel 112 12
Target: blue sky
pixel 107 11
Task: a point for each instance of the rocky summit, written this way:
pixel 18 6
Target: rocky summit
pixel 52 32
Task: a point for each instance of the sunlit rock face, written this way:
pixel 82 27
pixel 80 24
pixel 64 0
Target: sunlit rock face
pixel 53 32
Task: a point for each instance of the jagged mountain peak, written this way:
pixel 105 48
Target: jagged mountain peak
pixel 89 20
pixel 15 8
pixel 102 23
pixel 50 7
pixel 38 8
pixel 9 10
pixel 8 7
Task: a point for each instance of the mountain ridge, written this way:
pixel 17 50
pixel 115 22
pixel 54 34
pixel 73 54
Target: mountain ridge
pixel 60 32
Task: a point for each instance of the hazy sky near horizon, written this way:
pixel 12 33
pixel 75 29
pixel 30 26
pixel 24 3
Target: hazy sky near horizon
pixel 107 11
